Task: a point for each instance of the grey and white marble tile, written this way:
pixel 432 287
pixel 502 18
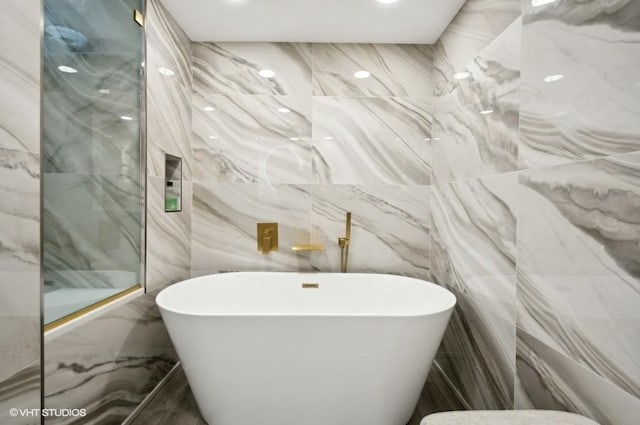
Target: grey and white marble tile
pixel 21 390
pixel 19 260
pixel 473 253
pixel 578 264
pixel 476 119
pixel 371 140
pixel 550 380
pixel 20 75
pixel 437 396
pixel 477 352
pixel 169 92
pixel 83 131
pixel 173 405
pixel 580 91
pixel 475 26
pixel 82 125
pixel 109 364
pixel 233 68
pixel 390 228
pixel 167 44
pixel 225 217
pixel 396 70
pixel 108 238
pixel 168 236
pixel 252 139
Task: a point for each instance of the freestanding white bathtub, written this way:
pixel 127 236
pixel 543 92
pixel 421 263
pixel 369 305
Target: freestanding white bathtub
pixel 273 349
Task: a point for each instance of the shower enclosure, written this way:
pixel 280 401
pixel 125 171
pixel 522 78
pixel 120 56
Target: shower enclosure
pixel 93 153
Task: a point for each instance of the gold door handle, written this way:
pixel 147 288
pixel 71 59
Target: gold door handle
pixel 308 247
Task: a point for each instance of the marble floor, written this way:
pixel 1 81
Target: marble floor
pixel 175 405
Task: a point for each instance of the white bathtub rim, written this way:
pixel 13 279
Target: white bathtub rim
pixel 452 300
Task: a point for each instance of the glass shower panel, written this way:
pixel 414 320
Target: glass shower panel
pixel 93 197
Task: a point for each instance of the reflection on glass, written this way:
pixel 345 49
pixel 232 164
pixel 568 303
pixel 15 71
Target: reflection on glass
pixel 93 187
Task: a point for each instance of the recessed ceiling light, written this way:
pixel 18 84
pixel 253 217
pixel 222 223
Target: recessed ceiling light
pixel 166 71
pixel 362 74
pixel 552 78
pixel 536 3
pixel 284 110
pixel 427 139
pixel 67 69
pixel 461 75
pixel 436 139
pixel 209 108
pixel 294 138
pixel 387 1
pixel 104 91
pixel 213 138
pixel 126 118
pixel 267 73
pixel 328 138
pixel 486 112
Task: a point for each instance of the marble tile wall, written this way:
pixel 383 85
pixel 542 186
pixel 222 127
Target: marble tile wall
pixel 91 202
pixel 109 364
pixel 20 208
pixel 533 205
pixel 474 256
pixel 320 142
pixel 169 86
pixel 474 196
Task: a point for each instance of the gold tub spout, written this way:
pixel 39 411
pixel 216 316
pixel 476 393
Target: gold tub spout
pixel 308 247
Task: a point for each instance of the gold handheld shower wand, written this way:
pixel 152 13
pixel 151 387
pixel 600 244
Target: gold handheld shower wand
pixel 344 246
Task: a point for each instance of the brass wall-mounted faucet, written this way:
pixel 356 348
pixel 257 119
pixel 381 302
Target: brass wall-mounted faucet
pixel 267 237
pixel 344 246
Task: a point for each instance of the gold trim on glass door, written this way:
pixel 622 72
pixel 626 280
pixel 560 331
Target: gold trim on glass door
pixel 76 314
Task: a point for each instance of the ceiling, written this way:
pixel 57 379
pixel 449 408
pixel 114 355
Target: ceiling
pixel 321 21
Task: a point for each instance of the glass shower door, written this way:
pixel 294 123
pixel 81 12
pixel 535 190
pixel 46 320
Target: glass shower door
pixel 93 163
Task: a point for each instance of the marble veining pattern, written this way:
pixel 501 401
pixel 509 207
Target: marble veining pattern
pixel 473 254
pixel 591 109
pixel 224 226
pixel 109 364
pixel 475 26
pixel 168 236
pixel 233 68
pixel 550 380
pixel 71 241
pixel 20 75
pixel 19 260
pixel 371 140
pixel 169 130
pixel 252 139
pixel 477 118
pixel 390 228
pixel 21 390
pixel 169 82
pixel 19 211
pixel 82 129
pixel 578 267
pixel 396 70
